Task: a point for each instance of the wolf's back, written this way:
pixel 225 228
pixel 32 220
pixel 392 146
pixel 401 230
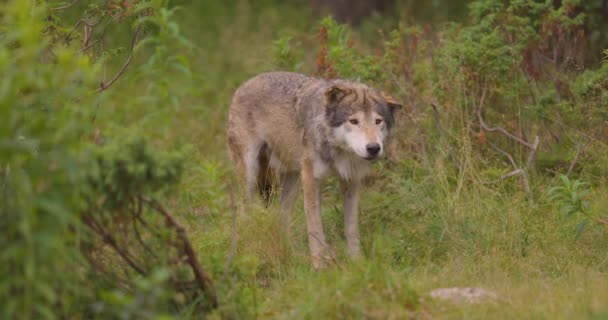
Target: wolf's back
pixel 264 120
pixel 269 90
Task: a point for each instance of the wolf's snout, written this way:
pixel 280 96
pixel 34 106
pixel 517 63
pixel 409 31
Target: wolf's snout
pixel 373 149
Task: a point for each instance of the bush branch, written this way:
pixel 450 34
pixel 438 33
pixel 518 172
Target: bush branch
pixel 66 6
pixel 203 279
pixel 579 149
pixel 103 32
pixel 108 239
pixel 502 130
pixel 104 86
pixel 533 147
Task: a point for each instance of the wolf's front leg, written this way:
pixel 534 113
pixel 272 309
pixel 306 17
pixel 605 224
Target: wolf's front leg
pixel 350 192
pixel 312 209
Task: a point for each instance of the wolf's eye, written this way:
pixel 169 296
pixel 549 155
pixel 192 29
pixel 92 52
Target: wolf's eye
pixel 378 121
pixel 354 121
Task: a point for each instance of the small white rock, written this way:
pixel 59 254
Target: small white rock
pixel 469 294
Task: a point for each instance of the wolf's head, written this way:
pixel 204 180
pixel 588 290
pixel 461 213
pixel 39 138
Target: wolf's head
pixel 360 117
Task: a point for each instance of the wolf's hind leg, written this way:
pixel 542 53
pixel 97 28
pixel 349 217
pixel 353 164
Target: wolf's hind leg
pixel 252 167
pixel 289 194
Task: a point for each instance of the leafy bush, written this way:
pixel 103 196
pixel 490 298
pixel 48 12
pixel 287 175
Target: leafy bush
pixel 571 198
pixel 51 172
pixel 43 111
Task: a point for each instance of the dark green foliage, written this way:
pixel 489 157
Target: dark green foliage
pixel 51 171
pixel 571 198
pixel 41 168
pixel 148 300
pixel 286 57
pixel 124 170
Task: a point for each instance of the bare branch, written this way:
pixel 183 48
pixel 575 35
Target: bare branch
pixel 103 16
pixel 108 239
pixel 87 33
pixel 502 130
pixel 601 221
pixel 137 213
pixel 99 268
pixel 512 173
pixel 532 153
pixel 516 171
pixel 103 32
pixel 203 279
pixel 67 37
pixel 104 86
pixel 83 21
pixel 506 154
pixel 579 149
pixel 66 6
pixel 526 183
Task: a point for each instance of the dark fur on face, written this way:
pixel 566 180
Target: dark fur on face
pixel 339 109
pixel 337 115
pixel 337 112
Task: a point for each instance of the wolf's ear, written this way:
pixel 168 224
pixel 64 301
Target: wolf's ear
pixel 394 106
pixel 335 94
pixel 391 102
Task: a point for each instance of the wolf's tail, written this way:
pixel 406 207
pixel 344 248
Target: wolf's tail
pixel 265 175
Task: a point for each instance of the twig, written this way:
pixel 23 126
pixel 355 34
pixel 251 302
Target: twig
pixel 92 25
pixel 67 37
pixel 512 173
pixel 203 279
pixel 103 32
pixel 107 238
pixel 531 154
pixel 506 154
pixel 104 86
pixel 579 149
pixel 601 221
pixel 502 130
pixel 533 150
pixel 66 6
pixel 137 214
pixel 100 270
pixel 516 171
pixel 87 33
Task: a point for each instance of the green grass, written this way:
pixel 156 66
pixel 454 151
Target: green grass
pixel 423 226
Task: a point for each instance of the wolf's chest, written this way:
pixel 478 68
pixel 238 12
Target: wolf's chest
pixel 348 167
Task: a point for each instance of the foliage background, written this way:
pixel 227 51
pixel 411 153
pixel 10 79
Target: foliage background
pixel 440 211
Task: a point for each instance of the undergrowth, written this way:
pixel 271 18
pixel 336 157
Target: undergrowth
pixel 453 204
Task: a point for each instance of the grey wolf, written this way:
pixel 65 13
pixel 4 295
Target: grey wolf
pixel 295 127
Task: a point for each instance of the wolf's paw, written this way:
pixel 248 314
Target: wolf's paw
pixel 322 261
